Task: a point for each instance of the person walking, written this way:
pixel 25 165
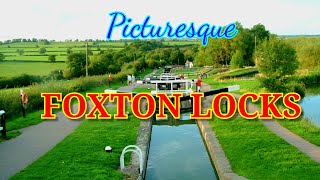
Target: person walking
pixel 199 84
pixel 129 80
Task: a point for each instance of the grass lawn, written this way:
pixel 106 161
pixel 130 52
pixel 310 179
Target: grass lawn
pixel 245 85
pixel 146 72
pixel 256 153
pixel 11 69
pixel 34 58
pixel 81 155
pixel 183 71
pixel 304 129
pixel 142 89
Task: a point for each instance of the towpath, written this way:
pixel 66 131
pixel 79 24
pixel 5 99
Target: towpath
pixel 306 147
pixel 35 141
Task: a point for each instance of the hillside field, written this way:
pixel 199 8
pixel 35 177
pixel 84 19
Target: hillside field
pixel 11 69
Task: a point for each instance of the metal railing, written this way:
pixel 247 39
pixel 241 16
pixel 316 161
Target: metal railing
pixel 135 149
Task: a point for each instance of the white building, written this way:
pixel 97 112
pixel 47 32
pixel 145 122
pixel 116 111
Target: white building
pixel 189 64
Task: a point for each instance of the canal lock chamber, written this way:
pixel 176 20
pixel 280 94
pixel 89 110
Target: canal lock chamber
pixel 177 150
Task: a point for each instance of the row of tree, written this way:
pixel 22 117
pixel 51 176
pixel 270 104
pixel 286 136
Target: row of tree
pixel 237 52
pixel 137 55
pixel 45 41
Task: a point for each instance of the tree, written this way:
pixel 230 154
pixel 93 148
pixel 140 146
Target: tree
pixel 52 58
pixel 69 50
pixel 276 61
pixel 20 52
pixel 260 32
pixel 42 51
pixel 2 57
pixel 176 57
pixel 46 42
pixel 76 63
pixel 237 60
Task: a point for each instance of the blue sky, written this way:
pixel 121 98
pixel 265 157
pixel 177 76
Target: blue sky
pixel 82 19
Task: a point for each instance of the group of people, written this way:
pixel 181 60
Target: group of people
pixel 131 79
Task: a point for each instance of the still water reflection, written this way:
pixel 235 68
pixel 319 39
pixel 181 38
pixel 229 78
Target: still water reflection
pixel 311 108
pixel 178 152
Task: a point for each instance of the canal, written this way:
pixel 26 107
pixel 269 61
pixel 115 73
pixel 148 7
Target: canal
pixel 177 151
pixel 311 106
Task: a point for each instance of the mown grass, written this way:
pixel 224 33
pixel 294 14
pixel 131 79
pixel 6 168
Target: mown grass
pixel 81 155
pixel 236 73
pixel 250 85
pixel 256 153
pixel 188 71
pixel 143 89
pixel 303 128
pixel 12 69
pixel 34 58
pixel 144 73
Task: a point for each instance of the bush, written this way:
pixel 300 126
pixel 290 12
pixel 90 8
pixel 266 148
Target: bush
pixel 18 81
pixel 297 87
pixel 312 79
pixel 237 60
pixel 10 98
pixel 277 62
pixel 52 58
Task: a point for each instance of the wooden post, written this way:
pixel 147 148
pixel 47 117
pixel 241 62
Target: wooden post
pixel 86 58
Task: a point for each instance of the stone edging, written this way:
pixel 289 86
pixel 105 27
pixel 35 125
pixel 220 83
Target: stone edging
pixel 143 142
pixel 216 152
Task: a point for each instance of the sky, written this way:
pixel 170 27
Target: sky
pixel 90 19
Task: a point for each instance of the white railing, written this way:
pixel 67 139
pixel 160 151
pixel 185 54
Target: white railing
pixel 135 149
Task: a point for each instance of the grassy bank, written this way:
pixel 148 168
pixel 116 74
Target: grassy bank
pixel 81 155
pixel 304 129
pixel 252 85
pixel 256 153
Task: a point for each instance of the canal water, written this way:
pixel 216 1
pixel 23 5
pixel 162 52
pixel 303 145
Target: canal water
pixel 311 108
pixel 177 151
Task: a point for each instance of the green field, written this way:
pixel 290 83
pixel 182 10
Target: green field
pixel 21 62
pixel 11 69
pixel 31 49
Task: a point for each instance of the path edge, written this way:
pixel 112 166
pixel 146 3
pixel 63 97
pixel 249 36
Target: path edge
pixel 216 153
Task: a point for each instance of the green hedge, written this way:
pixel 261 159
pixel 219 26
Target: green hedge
pixel 10 99
pixel 22 80
pixel 309 80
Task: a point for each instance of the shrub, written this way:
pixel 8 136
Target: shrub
pixel 311 79
pixel 297 87
pixel 276 61
pixel 52 58
pixel 237 60
pixel 18 81
pixel 10 98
